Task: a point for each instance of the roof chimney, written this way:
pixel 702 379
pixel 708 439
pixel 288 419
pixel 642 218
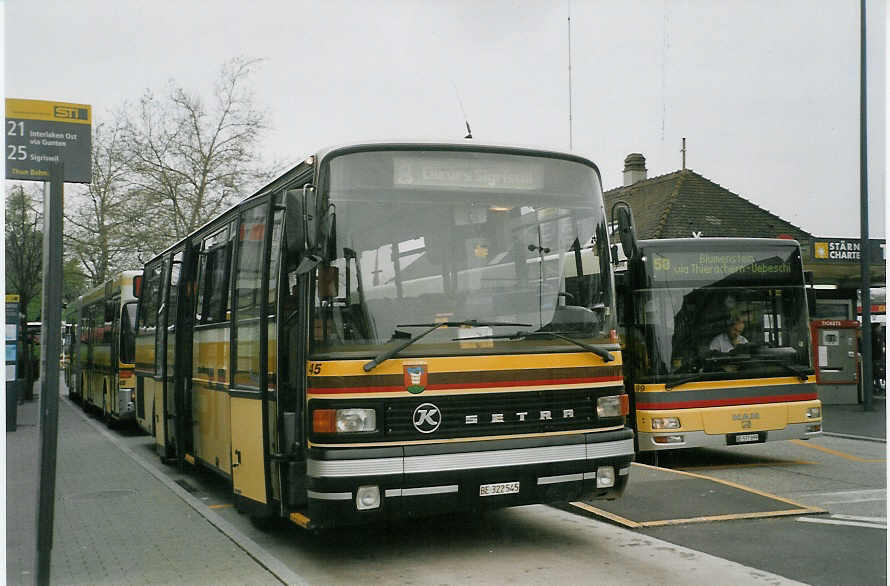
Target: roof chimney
pixel 634 168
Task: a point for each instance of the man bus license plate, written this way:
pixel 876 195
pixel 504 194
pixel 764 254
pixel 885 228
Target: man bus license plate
pixel 498 488
pixel 745 438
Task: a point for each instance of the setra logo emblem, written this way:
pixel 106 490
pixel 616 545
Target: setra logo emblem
pixel 415 378
pixel 427 418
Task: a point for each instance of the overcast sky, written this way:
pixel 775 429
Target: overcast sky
pixel 765 91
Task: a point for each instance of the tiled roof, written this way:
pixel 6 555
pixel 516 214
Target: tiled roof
pixel 683 203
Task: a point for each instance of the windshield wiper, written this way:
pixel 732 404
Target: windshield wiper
pixel 693 377
pixel 802 375
pixel 799 373
pixel 387 354
pixel 601 352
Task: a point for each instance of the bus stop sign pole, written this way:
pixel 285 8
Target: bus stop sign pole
pixel 50 350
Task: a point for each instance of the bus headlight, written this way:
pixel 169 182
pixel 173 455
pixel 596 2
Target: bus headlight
pixel 612 406
pixel 344 420
pixel 665 423
pixel 814 412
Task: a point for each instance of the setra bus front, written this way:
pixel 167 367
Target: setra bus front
pixel 446 365
pixel 718 332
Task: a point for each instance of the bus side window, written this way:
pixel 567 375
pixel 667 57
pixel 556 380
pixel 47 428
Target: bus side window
pixel 249 288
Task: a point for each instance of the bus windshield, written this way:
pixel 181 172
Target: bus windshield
pixel 423 237
pixel 721 314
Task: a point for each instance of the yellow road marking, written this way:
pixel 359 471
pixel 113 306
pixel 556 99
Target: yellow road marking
pixel 220 506
pixel 837 453
pixel 800 510
pixel 730 517
pixel 734 485
pixel 601 513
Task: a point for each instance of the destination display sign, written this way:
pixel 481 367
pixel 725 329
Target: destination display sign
pixel 40 133
pixel 667 266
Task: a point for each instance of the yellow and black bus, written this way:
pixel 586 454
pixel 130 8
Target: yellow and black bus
pixel 103 348
pixel 384 330
pixel 717 343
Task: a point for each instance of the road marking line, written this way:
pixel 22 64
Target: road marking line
pixel 738 486
pixel 612 516
pixel 878 520
pixel 223 506
pixel 841 522
pixel 729 517
pixel 836 453
pixel 850 496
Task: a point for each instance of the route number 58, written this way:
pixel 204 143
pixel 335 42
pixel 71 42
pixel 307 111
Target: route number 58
pixel 662 264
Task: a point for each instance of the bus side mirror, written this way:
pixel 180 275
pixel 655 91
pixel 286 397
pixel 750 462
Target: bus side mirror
pixel 302 224
pixel 627 233
pixel 301 228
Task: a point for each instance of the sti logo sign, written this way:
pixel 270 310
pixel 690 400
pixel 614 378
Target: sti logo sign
pixel 40 133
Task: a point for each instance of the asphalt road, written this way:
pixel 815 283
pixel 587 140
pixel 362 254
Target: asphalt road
pixel 539 544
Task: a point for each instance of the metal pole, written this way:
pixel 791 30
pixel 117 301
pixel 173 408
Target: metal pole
pixel 569 7
pixel 50 348
pixel 864 244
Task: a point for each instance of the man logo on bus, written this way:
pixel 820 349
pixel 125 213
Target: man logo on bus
pixel 427 418
pixel 415 378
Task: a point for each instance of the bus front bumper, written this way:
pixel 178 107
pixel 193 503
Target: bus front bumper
pixel 677 439
pixel 357 485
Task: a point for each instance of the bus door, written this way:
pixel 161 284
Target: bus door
pixel 169 350
pixel 293 322
pixel 180 364
pixel 251 380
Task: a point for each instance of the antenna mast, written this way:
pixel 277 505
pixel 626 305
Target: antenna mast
pixel 462 111
pixel 570 71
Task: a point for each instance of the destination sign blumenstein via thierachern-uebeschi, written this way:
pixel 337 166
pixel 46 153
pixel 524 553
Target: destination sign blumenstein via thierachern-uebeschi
pixel 40 133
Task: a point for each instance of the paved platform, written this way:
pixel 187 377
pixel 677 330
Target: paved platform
pixel 854 421
pixel 650 500
pixel 115 522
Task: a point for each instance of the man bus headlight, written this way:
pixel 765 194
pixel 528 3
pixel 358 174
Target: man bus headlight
pixel 814 412
pixel 665 423
pixel 344 420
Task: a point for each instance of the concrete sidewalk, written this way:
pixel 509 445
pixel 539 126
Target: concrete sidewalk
pixel 115 522
pixel 855 422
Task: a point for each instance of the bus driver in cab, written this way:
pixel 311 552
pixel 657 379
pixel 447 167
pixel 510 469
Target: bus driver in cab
pixel 727 341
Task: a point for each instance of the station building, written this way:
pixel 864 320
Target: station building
pixel 685 204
